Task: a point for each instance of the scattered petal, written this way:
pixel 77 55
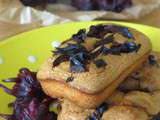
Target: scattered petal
pixel 70 79
pixel 31 102
pixel 100 63
pixel 152 60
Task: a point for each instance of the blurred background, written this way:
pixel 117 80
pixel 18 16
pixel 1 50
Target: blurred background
pixel 17 16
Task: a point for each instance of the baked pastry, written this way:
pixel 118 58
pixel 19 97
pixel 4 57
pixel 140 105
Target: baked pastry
pixel 70 111
pixel 124 113
pixel 144 100
pixel 135 105
pixel 147 78
pixel 148 101
pixel 109 5
pixel 90 65
pixel 145 103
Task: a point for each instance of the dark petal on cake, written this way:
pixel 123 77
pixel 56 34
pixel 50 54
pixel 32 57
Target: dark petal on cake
pixel 60 59
pixel 106 40
pixel 152 60
pixel 78 62
pixel 115 50
pixel 127 47
pixel 80 36
pixel 156 117
pixel 100 63
pixel 70 79
pixel 99 112
pixel 97 31
pixel 119 29
pixel 138 47
pixel 102 108
pixel 94 116
pixel 79 58
pixel 96 53
pixel 70 49
pixel 126 33
pixel 78 55
pixel 77 69
pixel 106 50
pixel 136 76
pixel 130 47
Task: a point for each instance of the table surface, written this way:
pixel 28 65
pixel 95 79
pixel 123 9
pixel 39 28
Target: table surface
pixel 9 29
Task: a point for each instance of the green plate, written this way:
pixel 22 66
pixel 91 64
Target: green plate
pixel 16 50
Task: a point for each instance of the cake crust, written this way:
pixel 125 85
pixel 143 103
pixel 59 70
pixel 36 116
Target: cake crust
pixel 96 79
pixel 56 89
pixel 90 88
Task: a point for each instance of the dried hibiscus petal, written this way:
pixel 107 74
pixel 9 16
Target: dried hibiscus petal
pixel 60 59
pixel 80 36
pixel 156 117
pixel 115 50
pixel 125 32
pixel 97 31
pixel 100 31
pixel 106 40
pixel 100 63
pixel 79 56
pixel 31 102
pixel 106 50
pixel 70 49
pixel 99 112
pixel 78 62
pixel 96 53
pixel 78 69
pixel 129 47
pixel 70 79
pixel 102 108
pixel 93 116
pixel 152 60
pixel 119 29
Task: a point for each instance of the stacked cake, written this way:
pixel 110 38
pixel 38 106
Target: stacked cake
pixel 88 73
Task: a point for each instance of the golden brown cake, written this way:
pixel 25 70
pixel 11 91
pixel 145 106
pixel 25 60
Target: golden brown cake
pixel 124 113
pixel 88 67
pixel 70 111
pixel 147 77
pixel 144 100
pixel 135 105
pixel 148 102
